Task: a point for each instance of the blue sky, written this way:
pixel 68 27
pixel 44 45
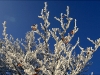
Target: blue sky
pixel 20 15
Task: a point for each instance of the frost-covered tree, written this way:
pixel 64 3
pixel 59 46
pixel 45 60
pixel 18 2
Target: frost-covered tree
pixel 33 57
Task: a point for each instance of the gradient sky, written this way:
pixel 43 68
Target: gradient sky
pixel 20 15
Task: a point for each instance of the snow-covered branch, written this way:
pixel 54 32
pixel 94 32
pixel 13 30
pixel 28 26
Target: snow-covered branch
pixel 32 56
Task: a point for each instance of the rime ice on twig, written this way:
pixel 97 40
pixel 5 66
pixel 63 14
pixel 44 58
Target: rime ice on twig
pixel 4 31
pixel 45 17
pixel 96 43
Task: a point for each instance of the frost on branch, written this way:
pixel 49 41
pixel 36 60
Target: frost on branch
pixel 32 56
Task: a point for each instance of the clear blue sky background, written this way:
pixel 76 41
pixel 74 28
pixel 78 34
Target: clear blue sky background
pixel 20 15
